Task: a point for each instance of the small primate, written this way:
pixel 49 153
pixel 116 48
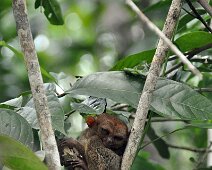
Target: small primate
pixel 100 146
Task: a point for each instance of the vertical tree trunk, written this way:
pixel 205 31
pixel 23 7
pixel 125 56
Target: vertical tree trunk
pixel 143 107
pixel 36 83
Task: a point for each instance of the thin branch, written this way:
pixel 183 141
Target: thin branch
pixel 137 130
pixel 163 36
pixel 198 16
pixel 202 60
pixel 206 6
pixel 190 55
pixel 155 120
pixel 198 150
pixel 204 156
pixel 189 12
pixel 203 89
pixel 194 51
pixel 36 83
pixel 167 120
pixel 152 141
pixel 119 106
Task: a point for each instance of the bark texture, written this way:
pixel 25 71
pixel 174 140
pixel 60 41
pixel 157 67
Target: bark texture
pixel 36 83
pixel 145 99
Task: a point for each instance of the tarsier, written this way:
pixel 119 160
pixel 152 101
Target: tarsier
pixel 100 147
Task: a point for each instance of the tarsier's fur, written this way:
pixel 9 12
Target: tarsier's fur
pixel 101 146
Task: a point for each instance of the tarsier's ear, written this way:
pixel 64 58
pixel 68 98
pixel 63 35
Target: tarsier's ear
pixel 90 120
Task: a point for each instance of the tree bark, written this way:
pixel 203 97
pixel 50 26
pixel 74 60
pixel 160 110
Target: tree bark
pixel 137 130
pixel 36 83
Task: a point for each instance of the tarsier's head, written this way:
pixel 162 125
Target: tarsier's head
pixel 111 130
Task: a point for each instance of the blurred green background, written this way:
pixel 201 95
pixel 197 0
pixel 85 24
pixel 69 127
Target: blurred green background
pixel 94 36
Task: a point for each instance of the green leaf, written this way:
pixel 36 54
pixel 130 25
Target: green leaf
pixel 57 113
pixel 170 98
pixel 91 105
pixel 15 126
pixel 16 102
pixel 16 156
pixel 158 5
pixel 160 144
pixel 46 74
pixel 16 52
pixel 134 60
pixel 52 11
pixel 62 80
pixel 117 86
pixel 187 18
pixel 193 40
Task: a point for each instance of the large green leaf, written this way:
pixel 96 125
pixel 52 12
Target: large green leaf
pixel 117 86
pixel 52 11
pixel 158 5
pixel 193 40
pixel 57 113
pixel 187 18
pixel 170 98
pixel 16 156
pixel 15 126
pixel 134 60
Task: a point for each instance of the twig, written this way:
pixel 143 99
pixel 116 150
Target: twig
pixel 167 120
pixel 190 55
pixel 189 148
pixel 119 106
pixel 137 130
pixel 203 158
pixel 152 141
pixel 36 83
pixel 198 16
pixel 153 120
pixel 203 89
pixel 164 37
pixel 194 51
pixel 206 6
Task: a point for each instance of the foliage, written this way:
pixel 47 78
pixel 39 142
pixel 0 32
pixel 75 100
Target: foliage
pixel 91 38
pixel 15 155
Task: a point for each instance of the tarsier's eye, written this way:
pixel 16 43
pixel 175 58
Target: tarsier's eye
pixel 118 138
pixel 104 131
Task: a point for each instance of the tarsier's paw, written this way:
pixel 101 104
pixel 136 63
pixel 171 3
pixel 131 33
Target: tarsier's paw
pixel 78 163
